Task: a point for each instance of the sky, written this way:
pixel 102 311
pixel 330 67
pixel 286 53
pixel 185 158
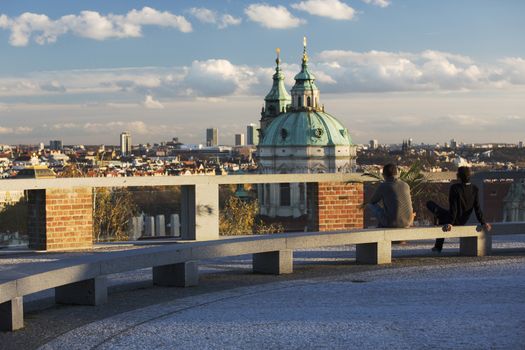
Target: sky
pixel 84 71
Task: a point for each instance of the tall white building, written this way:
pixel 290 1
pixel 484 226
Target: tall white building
pixel 252 135
pixel 239 139
pixel 212 137
pixel 125 143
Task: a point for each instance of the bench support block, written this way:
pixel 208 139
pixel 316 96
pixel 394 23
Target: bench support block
pixel 12 314
pixel 472 246
pixel 276 263
pixel 89 292
pixel 184 274
pixel 488 244
pixel 374 253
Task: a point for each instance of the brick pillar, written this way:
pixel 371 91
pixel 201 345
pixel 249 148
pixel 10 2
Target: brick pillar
pixel 60 219
pixel 335 206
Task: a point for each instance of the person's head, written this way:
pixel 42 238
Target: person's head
pixel 464 174
pixel 389 171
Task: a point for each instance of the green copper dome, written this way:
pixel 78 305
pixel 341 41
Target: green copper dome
pixel 305 128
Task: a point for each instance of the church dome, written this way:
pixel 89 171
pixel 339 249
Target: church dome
pixel 305 128
pixel 304 121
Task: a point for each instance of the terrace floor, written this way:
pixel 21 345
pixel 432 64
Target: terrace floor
pixel 421 300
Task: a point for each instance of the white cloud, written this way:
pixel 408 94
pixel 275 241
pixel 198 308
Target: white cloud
pixel 212 17
pixel 204 15
pixel 512 68
pixel 274 17
pixel 53 86
pixel 401 71
pixel 228 20
pixel 380 3
pixel 135 127
pixel 16 130
pixel 151 103
pixel 334 9
pixel 88 24
pixel 337 71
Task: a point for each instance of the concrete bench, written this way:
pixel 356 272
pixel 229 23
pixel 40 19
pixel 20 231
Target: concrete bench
pixel 503 229
pixel 82 280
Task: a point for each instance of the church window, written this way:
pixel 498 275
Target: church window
pixel 301 193
pixel 299 102
pixel 309 101
pixel 262 195
pixel 284 133
pixel 285 194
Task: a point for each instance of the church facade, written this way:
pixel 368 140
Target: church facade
pixel 298 136
pixel 514 202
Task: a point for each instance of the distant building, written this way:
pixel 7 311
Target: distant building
pixel 520 144
pixel 374 144
pixel 453 144
pixel 212 137
pixel 252 135
pixel 125 143
pixel 239 139
pixel 55 145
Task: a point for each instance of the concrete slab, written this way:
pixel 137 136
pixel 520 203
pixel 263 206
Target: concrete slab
pixel 58 277
pixel 12 314
pixel 89 292
pixel 185 274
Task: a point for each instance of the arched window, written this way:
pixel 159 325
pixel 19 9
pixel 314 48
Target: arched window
pixel 308 101
pixel 299 102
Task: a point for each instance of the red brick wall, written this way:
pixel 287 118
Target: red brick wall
pixel 335 206
pixel 66 220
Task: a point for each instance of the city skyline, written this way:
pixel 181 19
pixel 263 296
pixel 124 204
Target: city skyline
pixel 432 71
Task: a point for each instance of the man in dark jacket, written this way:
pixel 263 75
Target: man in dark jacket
pixel 463 199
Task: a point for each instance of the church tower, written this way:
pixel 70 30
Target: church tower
pixel 277 100
pixel 305 94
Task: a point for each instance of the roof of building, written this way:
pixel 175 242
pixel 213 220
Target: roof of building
pixel 306 128
pixel 36 172
pixel 304 125
pixel 278 91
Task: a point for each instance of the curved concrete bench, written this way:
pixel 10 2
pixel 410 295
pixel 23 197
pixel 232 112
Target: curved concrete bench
pixel 81 280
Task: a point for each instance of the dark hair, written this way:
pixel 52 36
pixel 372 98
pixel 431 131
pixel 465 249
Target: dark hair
pixel 464 174
pixel 389 170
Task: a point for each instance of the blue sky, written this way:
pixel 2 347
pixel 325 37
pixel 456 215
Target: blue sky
pixel 83 71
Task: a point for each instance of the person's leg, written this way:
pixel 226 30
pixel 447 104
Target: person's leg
pixel 379 213
pixel 441 217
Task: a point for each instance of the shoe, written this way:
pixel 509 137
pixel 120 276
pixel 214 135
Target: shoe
pixel 436 250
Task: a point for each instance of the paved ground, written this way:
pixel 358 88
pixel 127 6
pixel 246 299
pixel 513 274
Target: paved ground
pixel 419 301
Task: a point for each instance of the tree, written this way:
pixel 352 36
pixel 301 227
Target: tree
pixel 71 170
pixel 13 218
pixel 240 217
pixel 113 210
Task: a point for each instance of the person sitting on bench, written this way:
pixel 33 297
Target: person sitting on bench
pixel 463 200
pixel 394 195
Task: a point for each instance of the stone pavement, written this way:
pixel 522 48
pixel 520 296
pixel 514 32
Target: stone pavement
pixel 420 301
